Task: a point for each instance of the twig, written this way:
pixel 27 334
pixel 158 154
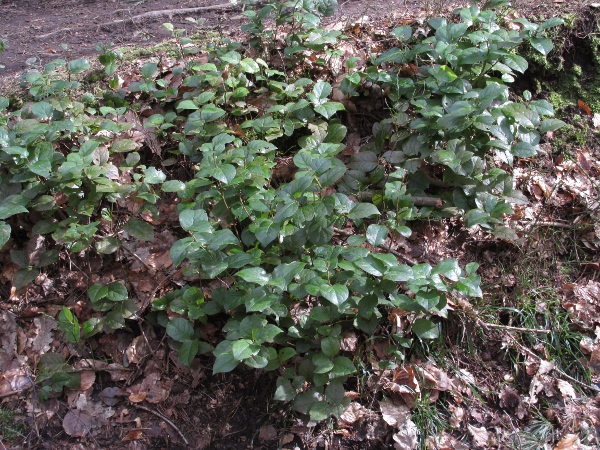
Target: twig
pixel 52 33
pixel 575 380
pixel 427 201
pixel 161 416
pixel 406 258
pixel 153 294
pixel 507 327
pixel 554 224
pixel 8 394
pixel 168 12
pixel 150 269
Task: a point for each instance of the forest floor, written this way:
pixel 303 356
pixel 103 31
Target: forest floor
pixel 520 369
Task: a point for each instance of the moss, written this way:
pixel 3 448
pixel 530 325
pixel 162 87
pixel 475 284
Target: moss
pixel 200 39
pixel 8 428
pixel 571 136
pixel 568 74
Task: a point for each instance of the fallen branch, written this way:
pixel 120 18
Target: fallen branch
pixel 52 33
pixel 167 12
pixel 427 201
pixel 149 14
pixel 161 416
pixel 507 327
pixel 575 380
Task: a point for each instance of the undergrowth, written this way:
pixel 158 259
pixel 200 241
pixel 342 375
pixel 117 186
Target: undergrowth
pixel 270 260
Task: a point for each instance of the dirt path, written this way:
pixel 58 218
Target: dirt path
pixel 34 30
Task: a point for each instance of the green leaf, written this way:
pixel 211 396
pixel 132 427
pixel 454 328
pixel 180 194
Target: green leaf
pixel 224 363
pixel 78 65
pixel 323 363
pixel 4 233
pixel 139 229
pixel 256 275
pixel 267 333
pixel 551 125
pixel 243 349
pixel 403 33
pixel 267 231
pixel 97 292
pixel 328 109
pixel 24 276
pixel 189 218
pixel 425 329
pixel 304 401
pixel 210 112
pixel 330 346
pixel 173 186
pixel 186 105
pixel 69 324
pixel 476 217
pixel 180 329
pixel 123 145
pixel 319 411
pixel 286 353
pixel 552 22
pixel 154 176
pixel 336 294
pixel 326 7
pixel 249 65
pixel 342 366
pixel 376 234
pixel 11 206
pixel 224 173
pixel 449 268
pixel 542 45
pixel 285 211
pixel 321 90
pixel 42 110
pixel 284 391
pixel 469 286
pixel 363 210
pixel 180 249
pixel 335 392
pixel 523 150
pixel 116 292
pixel 149 70
pixel 188 351
pixel 108 245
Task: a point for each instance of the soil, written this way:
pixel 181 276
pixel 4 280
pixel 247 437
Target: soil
pixel 36 31
pixel 33 29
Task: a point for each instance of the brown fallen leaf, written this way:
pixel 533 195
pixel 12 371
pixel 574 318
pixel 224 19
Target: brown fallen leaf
pixel 77 423
pixel 267 433
pixel 480 436
pixel 134 434
pixel 569 442
pixel 406 437
pixel 394 414
pixel 584 107
pixel 566 389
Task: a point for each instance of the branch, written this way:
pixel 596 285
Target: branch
pixel 149 14
pixel 507 327
pixel 168 12
pixel 161 416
